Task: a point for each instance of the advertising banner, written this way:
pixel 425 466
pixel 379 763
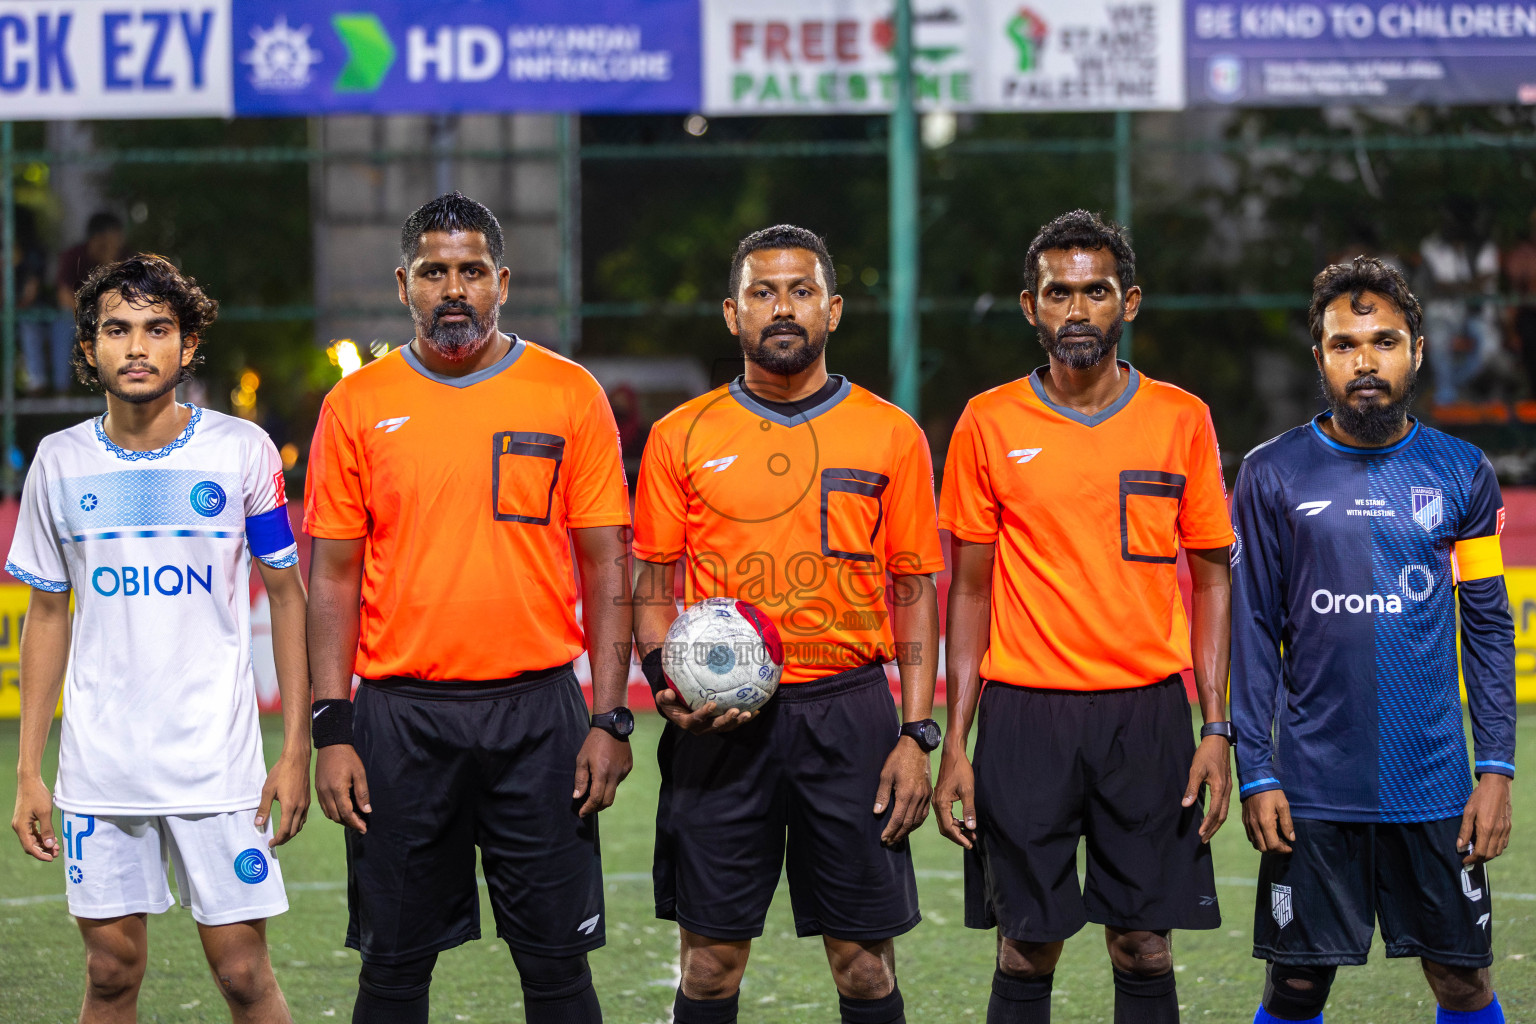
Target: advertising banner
pixel 1368 51
pixel 13 609
pixel 835 56
pixel 1522 601
pixel 1076 55
pixel 300 57
pixel 114 59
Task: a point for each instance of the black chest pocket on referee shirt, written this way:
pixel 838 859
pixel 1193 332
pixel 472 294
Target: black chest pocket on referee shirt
pixel 525 468
pixel 854 516
pixel 1149 515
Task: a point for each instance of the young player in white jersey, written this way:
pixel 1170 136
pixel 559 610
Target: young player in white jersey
pixel 150 515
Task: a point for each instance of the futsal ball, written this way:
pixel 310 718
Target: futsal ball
pixel 726 651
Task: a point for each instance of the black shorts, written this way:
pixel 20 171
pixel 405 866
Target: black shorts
pixel 1056 766
pixel 806 769
pixel 1319 903
pixel 455 766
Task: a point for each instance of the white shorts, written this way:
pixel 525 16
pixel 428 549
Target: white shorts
pixel 117 865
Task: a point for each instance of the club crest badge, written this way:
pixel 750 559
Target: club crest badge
pixel 1428 507
pixel 1280 904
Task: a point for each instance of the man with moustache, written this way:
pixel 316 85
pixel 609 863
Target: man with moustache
pixel 449 482
pixel 1361 535
pixel 145 519
pixel 799 492
pixel 1069 495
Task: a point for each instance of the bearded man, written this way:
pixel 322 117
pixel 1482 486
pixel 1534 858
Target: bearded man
pixel 448 484
pixel 1363 534
pixel 1068 495
pixel 808 496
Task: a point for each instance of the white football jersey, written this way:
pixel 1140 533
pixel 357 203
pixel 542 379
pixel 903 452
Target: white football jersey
pixel 159 698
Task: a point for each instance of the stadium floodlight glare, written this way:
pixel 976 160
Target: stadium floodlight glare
pixel 345 355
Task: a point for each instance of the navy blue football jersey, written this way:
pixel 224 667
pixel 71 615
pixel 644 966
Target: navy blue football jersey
pixel 1344 617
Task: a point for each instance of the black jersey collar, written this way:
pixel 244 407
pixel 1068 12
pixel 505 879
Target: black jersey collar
pixel 751 403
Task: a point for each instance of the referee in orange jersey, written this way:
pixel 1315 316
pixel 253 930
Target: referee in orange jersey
pixel 448 483
pixel 811 498
pixel 1069 495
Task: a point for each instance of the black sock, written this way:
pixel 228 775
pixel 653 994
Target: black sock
pixel 557 990
pixel 1017 1000
pixel 393 993
pixel 1140 999
pixel 885 1010
pixel 705 1011
pixel 370 1009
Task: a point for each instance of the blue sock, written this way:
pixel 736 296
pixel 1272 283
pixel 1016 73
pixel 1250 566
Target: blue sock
pixel 1265 1017
pixel 1493 1013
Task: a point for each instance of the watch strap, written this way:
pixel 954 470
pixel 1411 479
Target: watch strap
pixel 1222 729
pixel 918 730
pixel 608 721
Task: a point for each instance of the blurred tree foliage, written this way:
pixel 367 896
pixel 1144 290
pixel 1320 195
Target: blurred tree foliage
pixel 1290 211
pixel 243 230
pixel 1223 217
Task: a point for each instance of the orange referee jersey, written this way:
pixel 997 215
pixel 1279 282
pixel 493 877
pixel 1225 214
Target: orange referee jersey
pixel 1087 514
pixel 802 515
pixel 465 488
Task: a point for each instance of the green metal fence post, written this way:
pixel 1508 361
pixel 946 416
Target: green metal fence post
pixel 568 142
pixel 8 290
pixel 903 158
pixel 1123 196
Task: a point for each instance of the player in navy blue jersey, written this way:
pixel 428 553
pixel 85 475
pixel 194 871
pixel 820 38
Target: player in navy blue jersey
pixel 1359 534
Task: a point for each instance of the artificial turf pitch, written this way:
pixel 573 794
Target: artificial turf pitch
pixel 944 968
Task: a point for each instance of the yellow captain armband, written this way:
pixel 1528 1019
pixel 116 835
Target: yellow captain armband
pixel 1478 559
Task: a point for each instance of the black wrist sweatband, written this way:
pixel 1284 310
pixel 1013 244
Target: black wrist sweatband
pixel 650 665
pixel 331 722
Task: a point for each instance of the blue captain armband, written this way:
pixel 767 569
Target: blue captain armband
pixel 270 538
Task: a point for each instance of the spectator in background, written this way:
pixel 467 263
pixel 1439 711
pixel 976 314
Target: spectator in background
pixel 104 243
pixel 633 430
pixel 1457 271
pixel 1520 275
pixel 29 264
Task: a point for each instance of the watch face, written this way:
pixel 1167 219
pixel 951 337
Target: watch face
pixel 926 734
pixel 623 721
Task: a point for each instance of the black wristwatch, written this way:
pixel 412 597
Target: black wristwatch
pixel 926 733
pixel 618 723
pixel 1222 729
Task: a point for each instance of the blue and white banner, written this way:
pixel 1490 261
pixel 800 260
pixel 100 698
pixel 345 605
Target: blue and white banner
pixel 301 57
pixel 66 59
pixel 1368 51
pixel 77 59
